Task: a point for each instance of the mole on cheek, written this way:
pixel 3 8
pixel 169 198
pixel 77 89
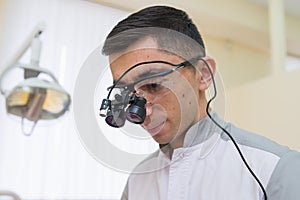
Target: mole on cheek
pixel 183 95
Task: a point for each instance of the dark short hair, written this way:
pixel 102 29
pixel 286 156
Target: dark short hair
pixel 170 27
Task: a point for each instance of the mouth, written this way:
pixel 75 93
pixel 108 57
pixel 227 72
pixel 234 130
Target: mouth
pixel 153 130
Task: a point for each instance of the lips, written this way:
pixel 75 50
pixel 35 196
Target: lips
pixel 153 130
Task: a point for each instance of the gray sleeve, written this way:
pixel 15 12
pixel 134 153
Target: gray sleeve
pixel 285 181
pixel 125 192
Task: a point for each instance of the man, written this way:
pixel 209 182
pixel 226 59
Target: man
pixel 158 61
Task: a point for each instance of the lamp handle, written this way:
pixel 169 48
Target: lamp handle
pixel 40 70
pixel 18 65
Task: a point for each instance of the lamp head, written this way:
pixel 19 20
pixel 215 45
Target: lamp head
pixel 36 99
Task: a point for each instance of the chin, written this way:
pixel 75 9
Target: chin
pixel 162 141
pixel 162 137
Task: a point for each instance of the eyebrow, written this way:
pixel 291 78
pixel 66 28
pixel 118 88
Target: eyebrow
pixel 147 73
pixel 139 76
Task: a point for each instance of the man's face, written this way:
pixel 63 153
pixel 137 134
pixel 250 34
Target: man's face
pixel 169 115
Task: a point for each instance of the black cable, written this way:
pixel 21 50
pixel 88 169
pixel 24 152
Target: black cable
pixel 227 133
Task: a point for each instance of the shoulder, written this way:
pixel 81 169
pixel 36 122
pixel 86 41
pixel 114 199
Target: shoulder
pixel 285 180
pixel 255 141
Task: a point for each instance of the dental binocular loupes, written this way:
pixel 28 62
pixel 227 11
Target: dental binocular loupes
pixel 128 101
pixel 125 106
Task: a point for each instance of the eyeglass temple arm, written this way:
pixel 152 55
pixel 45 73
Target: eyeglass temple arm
pixel 151 76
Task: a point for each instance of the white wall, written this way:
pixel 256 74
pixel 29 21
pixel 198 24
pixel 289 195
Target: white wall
pixel 52 163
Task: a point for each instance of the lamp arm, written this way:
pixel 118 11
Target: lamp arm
pixel 35 33
pixel 36 45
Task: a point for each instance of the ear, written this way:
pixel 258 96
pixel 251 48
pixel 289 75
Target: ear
pixel 207 69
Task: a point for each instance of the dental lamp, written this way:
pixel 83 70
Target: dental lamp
pixel 34 98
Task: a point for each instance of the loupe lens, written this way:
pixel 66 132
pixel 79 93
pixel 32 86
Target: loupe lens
pixel 136 112
pixel 115 119
pixel 135 118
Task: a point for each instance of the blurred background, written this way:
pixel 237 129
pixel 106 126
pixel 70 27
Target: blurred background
pixel 256 44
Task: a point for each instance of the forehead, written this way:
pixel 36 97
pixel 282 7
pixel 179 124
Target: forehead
pixel 141 51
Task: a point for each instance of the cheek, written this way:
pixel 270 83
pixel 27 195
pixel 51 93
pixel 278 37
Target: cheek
pixel 187 107
pixel 172 106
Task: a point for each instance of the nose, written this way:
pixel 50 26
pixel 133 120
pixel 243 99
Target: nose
pixel 148 108
pixel 148 113
pixel 148 98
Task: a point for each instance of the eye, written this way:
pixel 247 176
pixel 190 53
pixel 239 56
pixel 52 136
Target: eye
pixel 152 87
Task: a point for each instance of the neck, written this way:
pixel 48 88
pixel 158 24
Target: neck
pixel 179 140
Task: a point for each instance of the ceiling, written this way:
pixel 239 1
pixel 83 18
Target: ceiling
pixel 243 21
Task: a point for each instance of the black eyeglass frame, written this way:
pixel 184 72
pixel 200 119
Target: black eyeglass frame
pixel 130 86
